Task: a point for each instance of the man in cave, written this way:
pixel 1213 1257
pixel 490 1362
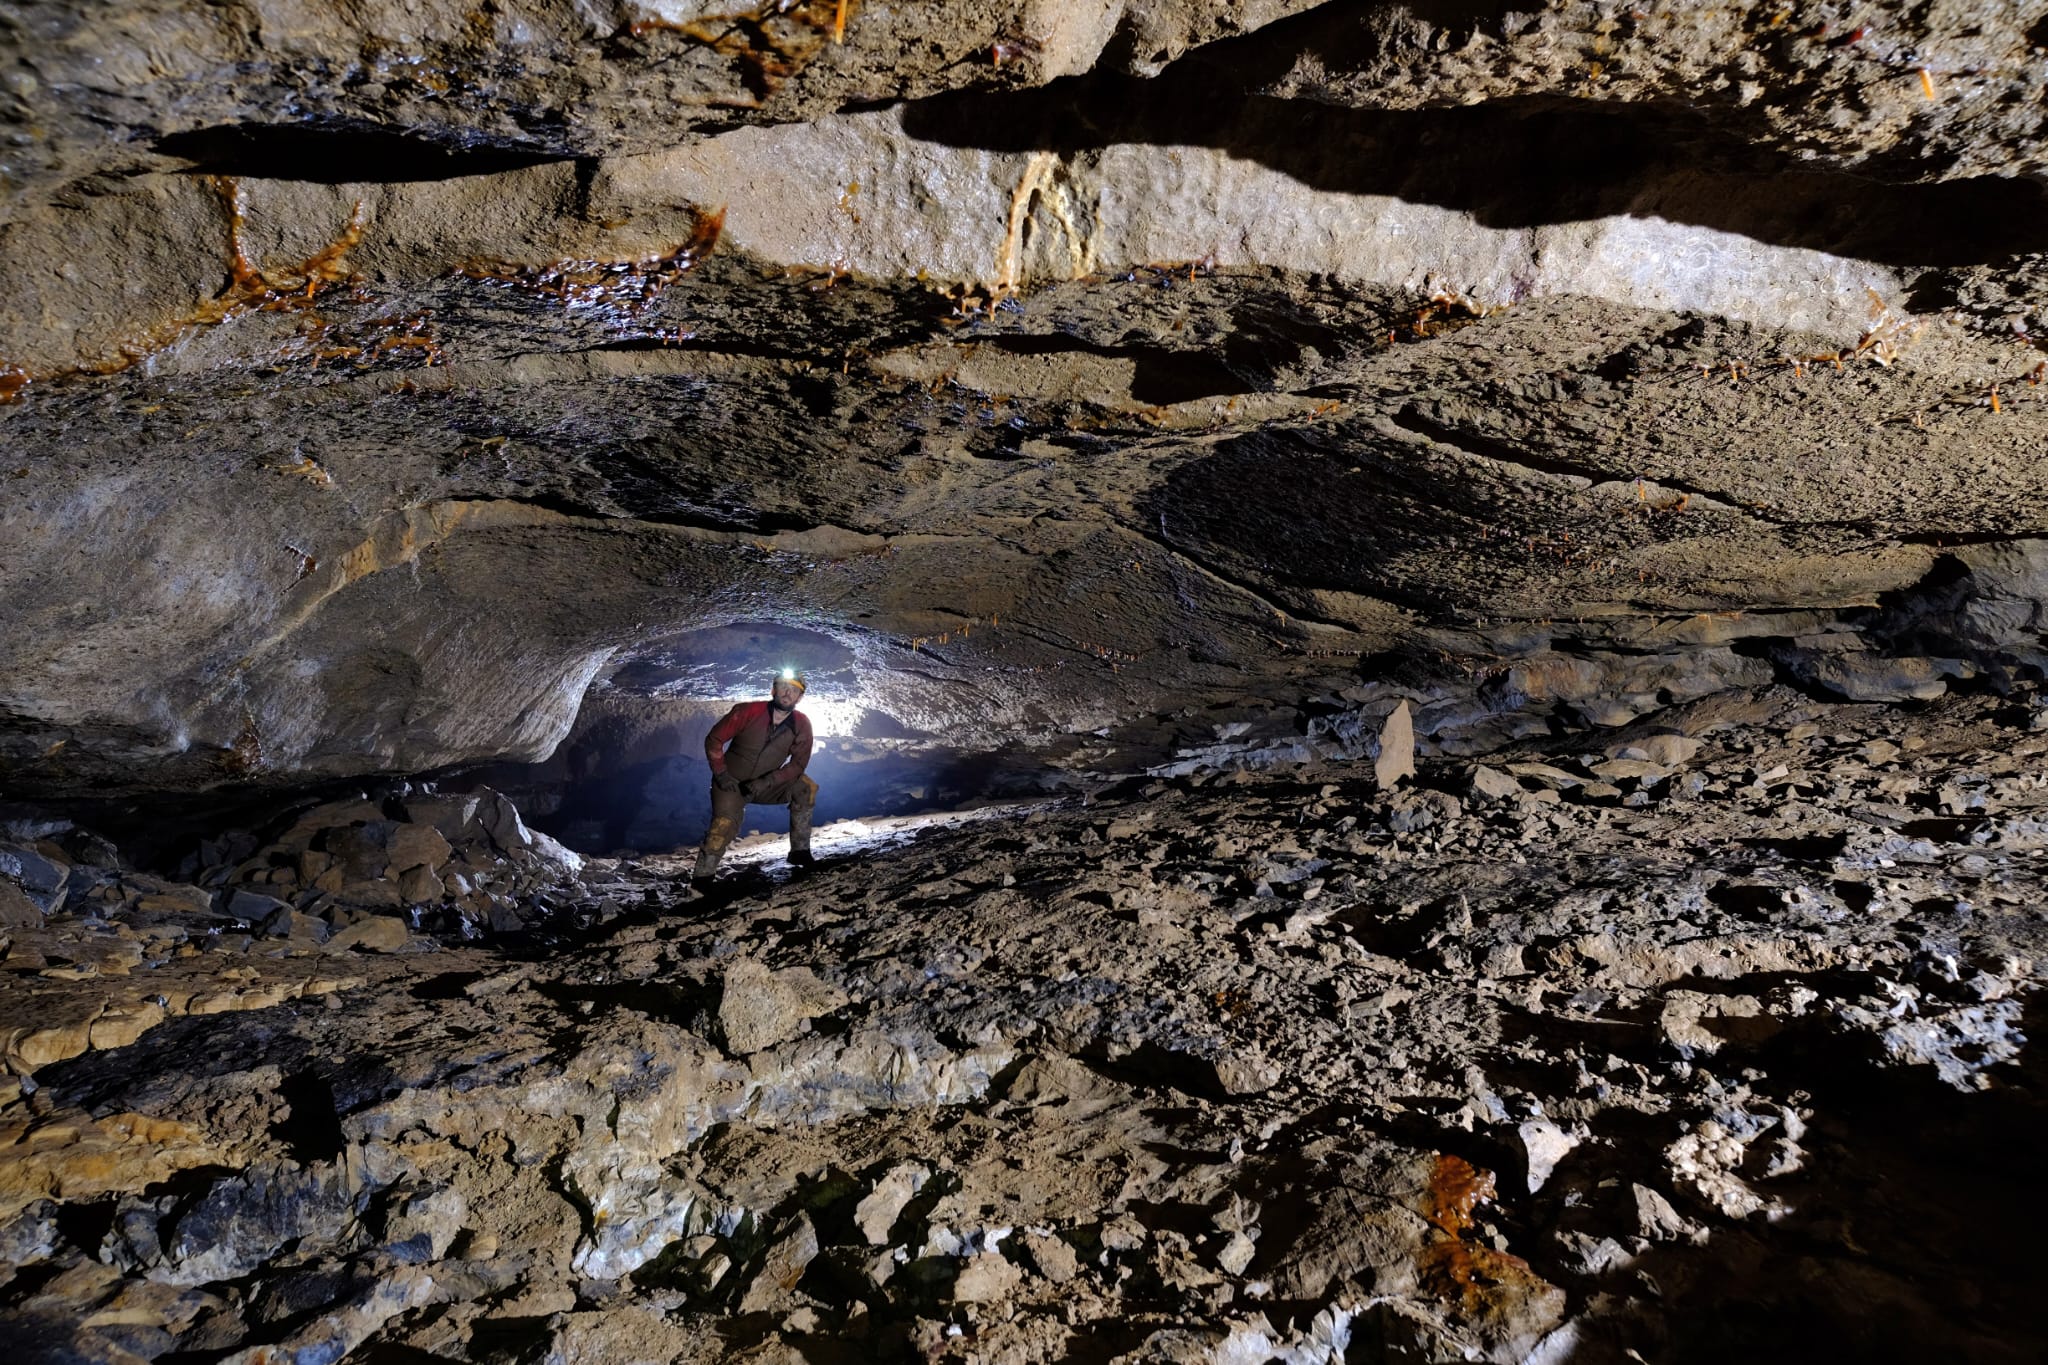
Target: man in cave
pixel 758 754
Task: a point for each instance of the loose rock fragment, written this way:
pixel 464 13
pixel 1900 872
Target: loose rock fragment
pixel 877 1213
pixel 1396 759
pixel 762 1007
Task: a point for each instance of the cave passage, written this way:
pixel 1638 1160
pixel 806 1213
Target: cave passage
pixel 1426 623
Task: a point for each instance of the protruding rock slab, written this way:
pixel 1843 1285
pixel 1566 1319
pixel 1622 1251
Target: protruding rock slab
pixel 1397 748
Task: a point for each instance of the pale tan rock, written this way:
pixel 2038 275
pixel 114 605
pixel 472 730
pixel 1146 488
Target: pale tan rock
pixel 124 1022
pixel 1503 960
pixel 72 1156
pixel 1396 758
pixel 1544 1144
pixel 49 1043
pixel 439 1217
pixel 419 886
pixel 1053 1256
pixel 177 900
pixel 1553 778
pixel 1494 784
pixel 1631 770
pixel 418 846
pixel 329 985
pixel 1656 1219
pixel 876 1214
pixel 1710 1158
pixel 1736 1018
pixel 236 998
pixel 986 1278
pixel 1246 1073
pixel 787 1259
pixel 1669 750
pixel 378 934
pixel 762 1007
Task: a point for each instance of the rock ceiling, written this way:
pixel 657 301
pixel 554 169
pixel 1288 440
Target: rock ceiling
pixel 384 381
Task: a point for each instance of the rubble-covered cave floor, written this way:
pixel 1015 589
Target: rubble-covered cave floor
pixel 1701 1036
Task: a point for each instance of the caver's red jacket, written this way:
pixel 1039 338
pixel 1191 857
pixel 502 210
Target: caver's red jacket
pixel 745 745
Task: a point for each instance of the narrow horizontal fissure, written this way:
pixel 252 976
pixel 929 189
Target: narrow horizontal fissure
pixel 342 153
pixel 1162 377
pixel 1494 451
pixel 739 520
pixel 1942 540
pixel 737 347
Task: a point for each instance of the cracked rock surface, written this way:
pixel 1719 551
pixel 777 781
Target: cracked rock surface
pixel 1659 1043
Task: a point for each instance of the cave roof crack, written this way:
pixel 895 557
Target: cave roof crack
pixel 1161 539
pixel 963 680
pixel 1497 452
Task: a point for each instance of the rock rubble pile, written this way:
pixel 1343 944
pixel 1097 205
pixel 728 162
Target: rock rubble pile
pixel 455 864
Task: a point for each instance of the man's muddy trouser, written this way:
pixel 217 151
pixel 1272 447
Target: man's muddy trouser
pixel 728 807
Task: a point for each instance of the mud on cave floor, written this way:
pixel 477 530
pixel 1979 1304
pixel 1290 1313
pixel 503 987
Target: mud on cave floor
pixel 1659 1044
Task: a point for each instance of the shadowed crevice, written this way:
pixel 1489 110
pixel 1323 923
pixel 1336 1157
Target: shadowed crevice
pixel 341 153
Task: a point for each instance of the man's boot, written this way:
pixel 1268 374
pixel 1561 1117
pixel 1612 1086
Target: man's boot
pixel 800 832
pixel 712 850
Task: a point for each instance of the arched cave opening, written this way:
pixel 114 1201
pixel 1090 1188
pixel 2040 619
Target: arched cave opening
pixel 631 776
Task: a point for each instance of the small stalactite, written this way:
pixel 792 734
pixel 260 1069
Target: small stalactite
pixel 629 286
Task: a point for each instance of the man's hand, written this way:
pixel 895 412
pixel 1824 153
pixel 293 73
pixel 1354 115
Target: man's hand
pixel 725 782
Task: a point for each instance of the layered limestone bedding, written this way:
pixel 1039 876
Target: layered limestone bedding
pixel 384 387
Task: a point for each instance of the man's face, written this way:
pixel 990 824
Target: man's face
pixel 787 694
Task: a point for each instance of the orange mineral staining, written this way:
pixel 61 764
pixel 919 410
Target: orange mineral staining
pixel 770 43
pixel 1479 1279
pixel 250 289
pixel 1455 1189
pixel 253 289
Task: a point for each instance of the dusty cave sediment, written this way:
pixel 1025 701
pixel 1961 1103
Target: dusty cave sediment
pixel 1427 624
